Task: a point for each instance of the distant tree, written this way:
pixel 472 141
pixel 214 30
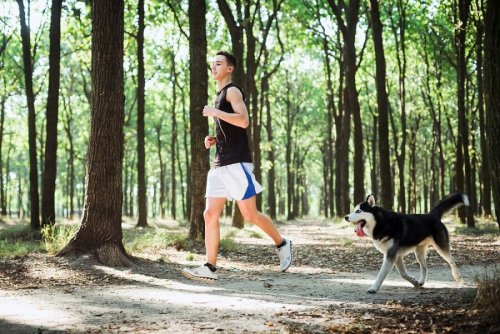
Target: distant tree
pixel 30 97
pixel 100 232
pixel 50 161
pixel 142 220
pixel 492 92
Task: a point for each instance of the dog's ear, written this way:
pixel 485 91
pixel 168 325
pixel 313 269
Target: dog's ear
pixel 371 200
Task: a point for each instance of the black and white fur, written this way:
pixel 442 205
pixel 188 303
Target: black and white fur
pixel 396 234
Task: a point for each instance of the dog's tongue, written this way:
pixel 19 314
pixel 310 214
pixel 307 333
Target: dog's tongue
pixel 359 230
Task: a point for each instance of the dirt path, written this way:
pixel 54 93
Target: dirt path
pixel 325 291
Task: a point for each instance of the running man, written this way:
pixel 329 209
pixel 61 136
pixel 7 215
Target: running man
pixel 231 176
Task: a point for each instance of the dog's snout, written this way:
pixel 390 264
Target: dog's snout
pixel 346 218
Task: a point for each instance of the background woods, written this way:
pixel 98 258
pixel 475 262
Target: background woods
pixel 397 98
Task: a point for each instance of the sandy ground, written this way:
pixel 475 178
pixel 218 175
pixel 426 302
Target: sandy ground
pixel 325 291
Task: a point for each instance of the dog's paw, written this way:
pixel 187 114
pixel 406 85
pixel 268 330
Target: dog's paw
pixel 372 290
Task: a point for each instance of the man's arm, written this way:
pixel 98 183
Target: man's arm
pixel 240 116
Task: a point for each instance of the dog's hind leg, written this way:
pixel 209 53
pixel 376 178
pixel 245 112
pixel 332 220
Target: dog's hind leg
pixel 444 251
pixel 402 271
pixel 420 255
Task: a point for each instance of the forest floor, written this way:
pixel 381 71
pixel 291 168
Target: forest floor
pixel 323 292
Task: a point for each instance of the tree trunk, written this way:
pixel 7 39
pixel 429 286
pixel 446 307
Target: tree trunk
pixel 348 28
pixel 492 93
pixel 485 165
pixel 173 144
pixel 199 125
pixel 463 157
pixel 386 193
pixel 3 200
pixel 271 175
pixel 162 171
pixel 100 232
pixel 30 97
pixel 50 161
pixel 141 155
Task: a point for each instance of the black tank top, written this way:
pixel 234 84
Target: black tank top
pixel 232 141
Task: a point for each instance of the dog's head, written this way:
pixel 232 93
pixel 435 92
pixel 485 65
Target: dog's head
pixel 363 217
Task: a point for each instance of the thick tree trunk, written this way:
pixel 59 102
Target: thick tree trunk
pixel 50 161
pixel 199 124
pixel 492 93
pixel 30 97
pixel 141 155
pixel 386 194
pixel 100 232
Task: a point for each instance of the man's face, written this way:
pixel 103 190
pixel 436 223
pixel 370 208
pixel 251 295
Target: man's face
pixel 220 67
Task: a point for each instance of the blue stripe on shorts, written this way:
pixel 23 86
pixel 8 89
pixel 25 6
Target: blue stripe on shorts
pixel 251 187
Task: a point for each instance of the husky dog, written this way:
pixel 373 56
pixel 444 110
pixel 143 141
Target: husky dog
pixel 396 234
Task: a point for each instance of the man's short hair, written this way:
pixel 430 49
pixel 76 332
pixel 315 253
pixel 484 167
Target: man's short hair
pixel 230 58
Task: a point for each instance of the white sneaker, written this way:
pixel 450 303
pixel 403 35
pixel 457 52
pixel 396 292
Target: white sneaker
pixel 285 255
pixel 202 273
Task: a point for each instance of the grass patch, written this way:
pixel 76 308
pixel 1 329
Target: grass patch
pixel 227 244
pixel 19 240
pixel 488 292
pixel 55 237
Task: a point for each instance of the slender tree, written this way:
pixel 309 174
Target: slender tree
pixel 198 94
pixel 30 97
pixel 386 194
pixel 50 161
pixel 464 177
pixel 100 232
pixel 142 220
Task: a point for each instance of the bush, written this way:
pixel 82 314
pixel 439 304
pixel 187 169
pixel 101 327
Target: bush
pixel 488 292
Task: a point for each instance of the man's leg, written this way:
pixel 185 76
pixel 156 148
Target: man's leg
pixel 248 208
pixel 213 210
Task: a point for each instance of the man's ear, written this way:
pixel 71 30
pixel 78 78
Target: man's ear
pixel 371 200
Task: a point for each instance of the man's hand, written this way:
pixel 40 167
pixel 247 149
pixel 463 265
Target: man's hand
pixel 210 141
pixel 210 111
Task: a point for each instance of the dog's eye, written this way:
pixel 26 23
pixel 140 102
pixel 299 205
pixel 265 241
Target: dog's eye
pixel 358 211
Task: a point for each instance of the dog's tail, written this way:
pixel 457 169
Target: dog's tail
pixel 450 202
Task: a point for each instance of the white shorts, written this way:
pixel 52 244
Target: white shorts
pixel 234 181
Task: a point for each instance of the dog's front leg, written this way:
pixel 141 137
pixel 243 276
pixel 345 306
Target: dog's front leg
pixel 387 266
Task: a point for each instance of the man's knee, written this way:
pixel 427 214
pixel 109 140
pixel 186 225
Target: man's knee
pixel 209 215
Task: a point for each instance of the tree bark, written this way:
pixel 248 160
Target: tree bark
pixel 30 97
pixel 141 154
pixel 199 125
pixel 386 193
pixel 100 232
pixel 492 93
